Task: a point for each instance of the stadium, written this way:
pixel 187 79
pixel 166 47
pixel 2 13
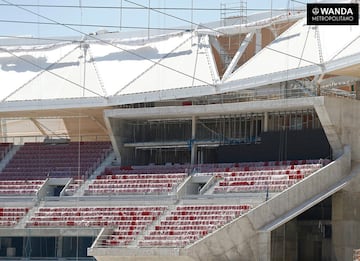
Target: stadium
pixel 233 140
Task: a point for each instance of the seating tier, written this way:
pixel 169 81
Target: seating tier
pixel 41 160
pixel 271 179
pixel 129 221
pixel 154 183
pixel 187 224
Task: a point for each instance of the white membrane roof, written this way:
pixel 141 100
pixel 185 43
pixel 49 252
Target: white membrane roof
pixel 108 70
pixel 300 51
pixel 112 68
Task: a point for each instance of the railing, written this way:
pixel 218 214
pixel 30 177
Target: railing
pixel 20 140
pixel 338 93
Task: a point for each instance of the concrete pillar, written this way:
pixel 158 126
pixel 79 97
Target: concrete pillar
pixel 291 240
pixel 3 130
pixel 258 43
pixel 193 138
pixel 266 121
pixel 357 90
pixel 114 132
pixel 330 130
pixel 59 247
pixel 346 220
pixel 119 134
pixel 264 246
pixel 251 134
pixel 284 242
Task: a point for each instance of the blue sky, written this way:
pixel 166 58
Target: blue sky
pixel 12 17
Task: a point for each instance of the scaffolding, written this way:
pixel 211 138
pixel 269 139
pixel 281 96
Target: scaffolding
pixel 231 13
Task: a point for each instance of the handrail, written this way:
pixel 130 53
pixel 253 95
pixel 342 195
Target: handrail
pixel 20 140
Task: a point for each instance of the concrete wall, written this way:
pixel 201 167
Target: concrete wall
pixel 346 218
pixel 345 116
pixel 344 113
pixel 119 134
pixel 137 254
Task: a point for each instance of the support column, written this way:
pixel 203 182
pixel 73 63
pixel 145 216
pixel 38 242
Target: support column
pixel 266 121
pixel 59 247
pixel 264 246
pixel 193 138
pixel 345 220
pixel 282 244
pixel 258 45
pixel 329 130
pixel 357 90
pixel 3 130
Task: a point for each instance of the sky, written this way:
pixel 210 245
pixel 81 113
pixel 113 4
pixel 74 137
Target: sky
pixel 73 17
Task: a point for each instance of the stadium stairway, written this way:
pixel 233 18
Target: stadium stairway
pixel 106 162
pixel 27 217
pixel 248 237
pixel 9 156
pixel 154 224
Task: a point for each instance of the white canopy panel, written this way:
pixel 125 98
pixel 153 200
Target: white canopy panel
pixel 63 79
pixel 112 68
pixel 299 48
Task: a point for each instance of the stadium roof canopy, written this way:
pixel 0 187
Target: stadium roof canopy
pixel 103 68
pixel 301 51
pixel 70 78
pixel 177 65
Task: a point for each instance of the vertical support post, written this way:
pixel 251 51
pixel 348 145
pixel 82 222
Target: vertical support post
pixel 264 246
pixel 3 130
pixel 357 90
pixel 251 132
pixel 258 42
pixel 59 253
pixel 266 121
pixel 120 19
pixel 149 19
pixel 193 137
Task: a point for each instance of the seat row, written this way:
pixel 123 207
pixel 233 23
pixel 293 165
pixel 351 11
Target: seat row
pixel 127 191
pixel 135 184
pixel 138 176
pixel 20 187
pixel 123 209
pixel 93 216
pixel 10 216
